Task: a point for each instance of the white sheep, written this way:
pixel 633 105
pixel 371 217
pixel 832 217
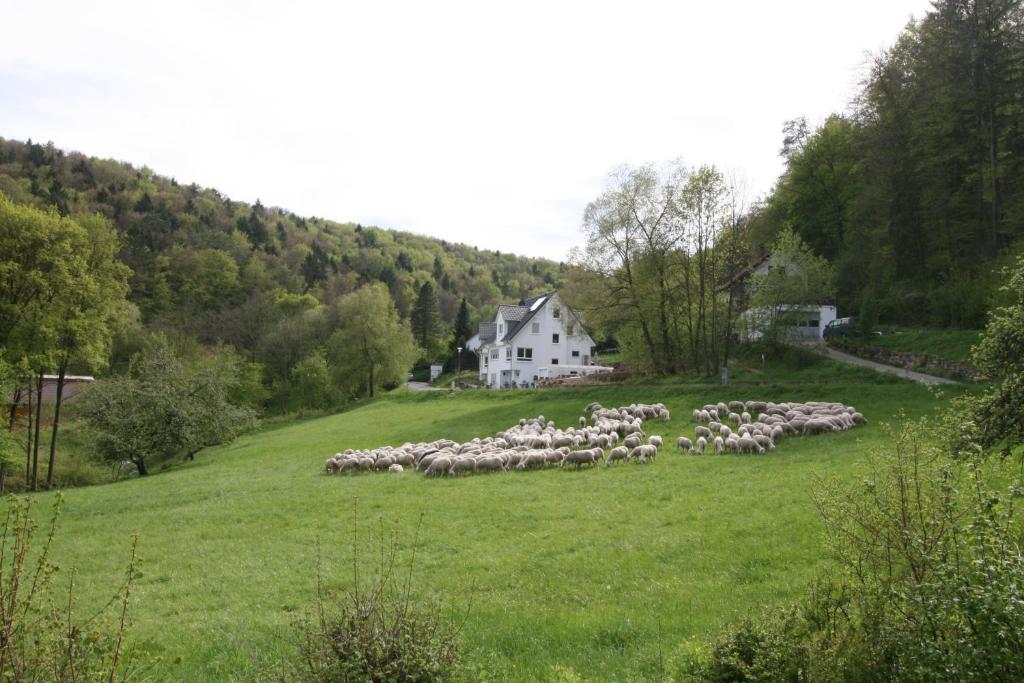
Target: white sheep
pixel 702 443
pixel 654 440
pixel 684 444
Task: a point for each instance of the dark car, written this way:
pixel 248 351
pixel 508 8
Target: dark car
pixel 841 327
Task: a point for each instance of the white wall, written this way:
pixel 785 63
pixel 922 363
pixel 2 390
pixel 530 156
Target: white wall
pixel 537 335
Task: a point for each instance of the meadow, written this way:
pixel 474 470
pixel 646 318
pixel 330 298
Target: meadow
pixel 609 572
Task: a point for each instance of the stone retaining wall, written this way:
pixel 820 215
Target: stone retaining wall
pixel 922 362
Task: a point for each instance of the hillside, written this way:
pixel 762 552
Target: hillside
pixel 597 570
pixel 198 257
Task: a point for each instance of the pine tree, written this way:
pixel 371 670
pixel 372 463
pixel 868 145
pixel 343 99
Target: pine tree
pixel 426 320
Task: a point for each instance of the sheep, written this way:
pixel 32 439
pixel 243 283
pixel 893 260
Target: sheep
pixel 735 417
pixel 745 418
pixel 395 468
pixel 702 443
pixel 617 453
pixel 719 445
pixel 748 445
pixel 654 441
pixel 704 432
pixel 490 464
pixel 586 457
pixel 583 422
pixel 438 467
pixel 725 432
pixel 764 442
pixel 684 444
pixel 632 441
pixel 736 405
pixel 715 426
pixel 642 454
pixel 859 418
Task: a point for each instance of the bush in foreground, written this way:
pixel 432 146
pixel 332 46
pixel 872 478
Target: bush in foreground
pixel 375 631
pixel 931 586
pixel 41 639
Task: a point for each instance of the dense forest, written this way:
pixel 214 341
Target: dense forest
pixel 261 279
pixel 916 195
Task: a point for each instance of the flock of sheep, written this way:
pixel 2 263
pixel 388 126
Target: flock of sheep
pixel 530 444
pixel 774 422
pixel 609 435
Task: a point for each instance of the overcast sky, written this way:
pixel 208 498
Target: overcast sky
pixel 487 123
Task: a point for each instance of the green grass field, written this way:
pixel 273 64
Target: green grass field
pixel 948 344
pixel 597 570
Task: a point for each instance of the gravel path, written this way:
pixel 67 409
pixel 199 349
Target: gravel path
pixel 879 367
pixel 420 386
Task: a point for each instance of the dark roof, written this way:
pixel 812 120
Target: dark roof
pixel 531 306
pixel 512 313
pixel 488 332
pixel 744 272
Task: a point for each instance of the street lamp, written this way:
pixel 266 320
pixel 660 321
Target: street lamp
pixel 460 358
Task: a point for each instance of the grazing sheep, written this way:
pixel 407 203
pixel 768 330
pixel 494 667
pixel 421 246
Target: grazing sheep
pixel 719 445
pixel 725 432
pixel 745 418
pixel 704 432
pixel 654 441
pixel 632 441
pixel 617 453
pixel 684 444
pixel 396 468
pixel 701 444
pixel 715 426
pixel 736 405
pixel 735 417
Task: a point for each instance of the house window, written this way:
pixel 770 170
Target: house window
pixel 575 354
pixel 554 338
pixel 535 328
pixel 494 354
pixel 554 361
pixel 508 353
pixel 524 354
pixel 812 323
pixel 556 312
pixel 501 328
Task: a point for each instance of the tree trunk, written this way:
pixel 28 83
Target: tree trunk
pixel 39 422
pixel 28 432
pixel 3 477
pixel 56 420
pixel 14 409
pixel 140 465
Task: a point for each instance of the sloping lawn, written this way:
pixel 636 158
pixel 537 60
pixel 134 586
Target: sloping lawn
pixel 947 344
pixel 597 570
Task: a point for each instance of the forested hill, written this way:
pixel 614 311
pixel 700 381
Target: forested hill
pixel 916 195
pixel 205 265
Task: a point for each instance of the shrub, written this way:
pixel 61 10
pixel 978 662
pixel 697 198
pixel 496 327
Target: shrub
pixel 930 587
pixel 40 637
pixel 375 631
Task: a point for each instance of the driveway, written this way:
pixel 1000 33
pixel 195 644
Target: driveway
pixel 879 367
pixel 420 386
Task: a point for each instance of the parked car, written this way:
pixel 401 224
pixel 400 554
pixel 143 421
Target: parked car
pixel 841 327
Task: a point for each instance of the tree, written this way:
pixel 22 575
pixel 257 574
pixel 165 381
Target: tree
pixel 163 407
pixel 88 313
pixel 64 289
pixel 427 326
pixel 461 332
pixel 797 278
pixel 373 348
pixel 997 416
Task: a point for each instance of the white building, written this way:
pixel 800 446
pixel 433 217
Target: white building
pixel 537 339
pixel 800 323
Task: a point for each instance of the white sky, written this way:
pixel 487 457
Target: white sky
pixel 487 123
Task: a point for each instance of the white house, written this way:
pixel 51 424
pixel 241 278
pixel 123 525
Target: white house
pixel 537 339
pixel 806 322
